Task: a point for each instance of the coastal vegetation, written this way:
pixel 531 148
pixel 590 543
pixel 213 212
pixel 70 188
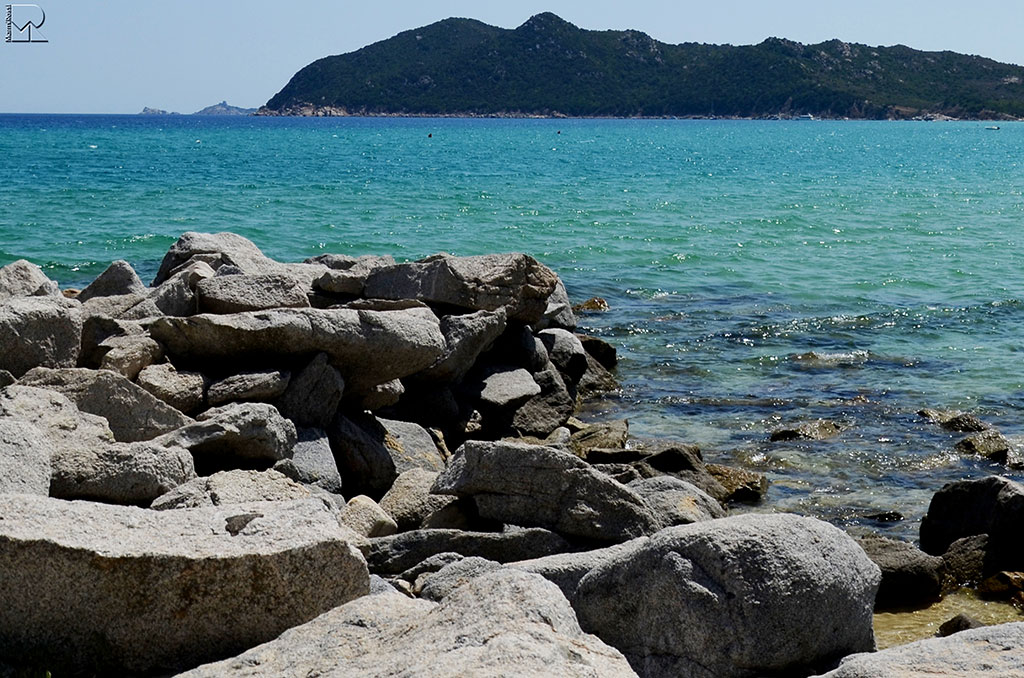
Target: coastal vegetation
pixel 550 67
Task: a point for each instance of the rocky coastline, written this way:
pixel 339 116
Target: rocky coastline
pixel 360 467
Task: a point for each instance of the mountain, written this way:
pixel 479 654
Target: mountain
pixel 224 109
pixel 549 67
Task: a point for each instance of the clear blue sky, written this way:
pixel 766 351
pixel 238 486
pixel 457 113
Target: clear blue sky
pixel 116 56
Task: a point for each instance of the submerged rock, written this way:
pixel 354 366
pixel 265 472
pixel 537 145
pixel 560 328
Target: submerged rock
pixel 821 429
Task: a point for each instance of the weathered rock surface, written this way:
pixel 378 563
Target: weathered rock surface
pixel 121 473
pixel 549 409
pixel 237 293
pixel 506 388
pixel 466 337
pixel 24 458
pixel 363 516
pixel 741 485
pixel 440 584
pixel 231 487
pixel 129 354
pixel 600 350
pixel 22 278
pixel 516 281
pixel 120 589
pixel 133 413
pixel 253 431
pixel 367 347
pixel 565 570
pixel 118 278
pixel 996 651
pixel 264 385
pixel 992 505
pixel 541 486
pixel 910 577
pixel 313 394
pixel 397 553
pixel 500 624
pixel 743 596
pixel 312 462
pixel 409 501
pixel 39 331
pixel 182 390
pixel 676 502
pixel 566 352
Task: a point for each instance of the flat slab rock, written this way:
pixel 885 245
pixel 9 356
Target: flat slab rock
pixel 129 590
pixel 504 623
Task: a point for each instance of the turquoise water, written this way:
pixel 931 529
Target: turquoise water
pixel 725 248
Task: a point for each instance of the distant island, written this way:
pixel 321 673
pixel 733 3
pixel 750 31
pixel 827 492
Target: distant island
pixel 223 108
pixel 549 67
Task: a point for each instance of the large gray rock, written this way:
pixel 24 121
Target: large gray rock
pixel 176 296
pixel 263 385
pixel 440 584
pixel 516 281
pixel 910 577
pixel 466 337
pixel 182 390
pixel 397 553
pixel 549 409
pixel 231 487
pixel 506 388
pixel 253 431
pixel 566 570
pixel 219 249
pixel 372 452
pixel 118 278
pixel 676 502
pixel 312 462
pixel 39 331
pixel 129 354
pixel 504 623
pixel 236 293
pixel 541 486
pixel 363 516
pixel 119 590
pixel 367 347
pixel 409 500
pixel 120 473
pixel 22 278
pixel 558 312
pixel 995 651
pixel 24 458
pixel 740 597
pixel 566 352
pixel 313 394
pixel 992 505
pixel 133 413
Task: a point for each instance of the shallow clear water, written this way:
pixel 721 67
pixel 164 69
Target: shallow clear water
pixel 726 249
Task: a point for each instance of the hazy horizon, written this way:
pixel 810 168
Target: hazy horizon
pixel 119 56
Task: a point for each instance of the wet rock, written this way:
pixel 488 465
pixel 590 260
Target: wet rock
pixel 1003 586
pixel 223 437
pixel 237 293
pixel 466 337
pixel 125 590
pixel 989 651
pixel 676 502
pixel 119 278
pixel 409 500
pixel 959 623
pixel 231 487
pixel 821 429
pixel 541 486
pixel 24 458
pixel 600 350
pixel 22 278
pixel 910 577
pixel 740 596
pixel 39 331
pixel 312 462
pixel 263 385
pixel 967 561
pixel 516 281
pixel 313 394
pixel 592 305
pixel 397 553
pixel 181 390
pixel 133 413
pixel 954 420
pixel 741 486
pixel 992 505
pixel 372 452
pixel 502 623
pixel 990 444
pixel 363 516
pixel 367 347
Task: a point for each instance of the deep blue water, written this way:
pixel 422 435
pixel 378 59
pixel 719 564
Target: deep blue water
pixel 725 248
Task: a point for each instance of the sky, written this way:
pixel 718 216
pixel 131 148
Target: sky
pixel 117 56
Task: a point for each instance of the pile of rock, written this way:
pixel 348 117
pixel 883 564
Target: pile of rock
pixel 175 461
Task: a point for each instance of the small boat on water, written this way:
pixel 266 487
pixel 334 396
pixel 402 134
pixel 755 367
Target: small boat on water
pixel 992 127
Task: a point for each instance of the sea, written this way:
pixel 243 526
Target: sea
pixel 758 274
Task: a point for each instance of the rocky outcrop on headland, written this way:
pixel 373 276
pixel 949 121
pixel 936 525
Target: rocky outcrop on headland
pixel 226 462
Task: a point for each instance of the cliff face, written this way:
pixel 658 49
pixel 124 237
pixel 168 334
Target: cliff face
pixel 548 66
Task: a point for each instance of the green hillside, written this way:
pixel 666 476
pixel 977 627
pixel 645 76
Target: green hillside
pixel 548 66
